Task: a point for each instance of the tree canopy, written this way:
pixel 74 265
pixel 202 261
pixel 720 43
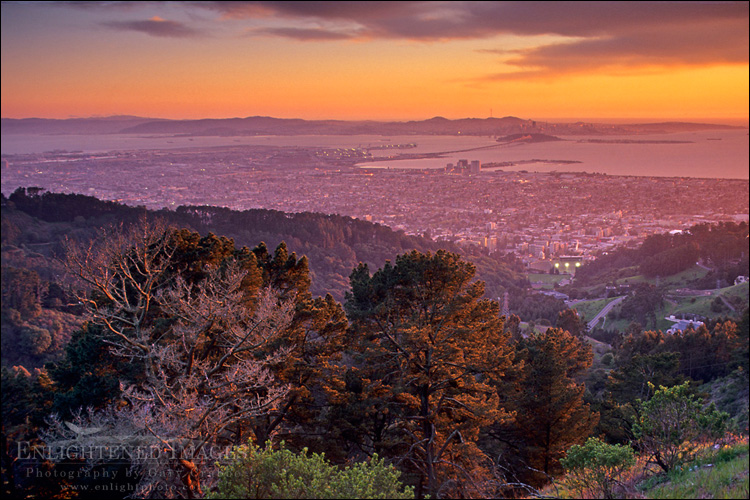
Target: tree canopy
pixel 428 353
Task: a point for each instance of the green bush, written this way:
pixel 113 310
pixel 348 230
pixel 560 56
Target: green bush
pixel 252 472
pixel 594 468
pixel 672 424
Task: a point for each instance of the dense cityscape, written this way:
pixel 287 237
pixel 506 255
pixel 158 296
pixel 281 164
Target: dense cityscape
pixel 538 216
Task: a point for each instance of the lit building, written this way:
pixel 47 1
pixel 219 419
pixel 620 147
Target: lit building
pixel 568 263
pixel 492 244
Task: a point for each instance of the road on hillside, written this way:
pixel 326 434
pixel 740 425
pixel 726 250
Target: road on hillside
pixel 726 303
pixel 604 311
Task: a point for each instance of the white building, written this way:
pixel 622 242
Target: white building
pixel 680 325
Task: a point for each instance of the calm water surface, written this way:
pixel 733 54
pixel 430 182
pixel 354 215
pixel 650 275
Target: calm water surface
pixel 704 156
pixel 717 154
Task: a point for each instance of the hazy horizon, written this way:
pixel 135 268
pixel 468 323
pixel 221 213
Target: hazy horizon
pixel 738 122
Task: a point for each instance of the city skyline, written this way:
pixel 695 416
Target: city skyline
pixel 633 61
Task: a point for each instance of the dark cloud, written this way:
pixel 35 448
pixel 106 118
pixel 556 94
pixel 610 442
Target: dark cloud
pixel 101 5
pixel 335 10
pixel 590 19
pixel 625 32
pixel 155 27
pixel 601 33
pixel 619 35
pixel 439 20
pixel 669 46
pixel 302 34
pixel 693 47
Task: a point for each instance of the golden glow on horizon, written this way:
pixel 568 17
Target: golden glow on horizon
pixel 715 92
pixel 101 71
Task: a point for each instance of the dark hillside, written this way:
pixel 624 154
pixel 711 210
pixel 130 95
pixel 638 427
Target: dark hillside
pixel 333 244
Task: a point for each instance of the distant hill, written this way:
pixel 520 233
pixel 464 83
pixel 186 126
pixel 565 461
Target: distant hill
pixel 333 244
pixel 265 125
pixel 93 126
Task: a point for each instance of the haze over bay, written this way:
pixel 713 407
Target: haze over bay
pixel 696 154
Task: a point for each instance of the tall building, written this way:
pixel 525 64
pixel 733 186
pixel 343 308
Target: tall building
pixel 491 244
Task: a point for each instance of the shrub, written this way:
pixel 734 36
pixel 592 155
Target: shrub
pixel 252 472
pixel 595 467
pixel 673 422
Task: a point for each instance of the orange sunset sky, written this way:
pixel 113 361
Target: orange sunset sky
pixel 377 60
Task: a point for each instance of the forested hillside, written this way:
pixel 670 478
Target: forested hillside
pixel 334 245
pixel 204 335
pixel 39 315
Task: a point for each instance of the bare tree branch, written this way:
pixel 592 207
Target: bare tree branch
pixel 201 344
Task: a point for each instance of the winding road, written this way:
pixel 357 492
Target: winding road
pixel 604 311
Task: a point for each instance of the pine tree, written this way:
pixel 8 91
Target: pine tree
pixel 551 413
pixel 312 345
pixel 427 353
pixel 569 321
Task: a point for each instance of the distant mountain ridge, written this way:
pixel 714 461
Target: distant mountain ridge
pixel 265 125
pixel 95 125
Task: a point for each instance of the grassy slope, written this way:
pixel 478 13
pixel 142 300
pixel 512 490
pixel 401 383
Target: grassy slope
pixel 679 280
pixel 675 305
pixel 678 305
pixel 549 280
pixel 713 474
pixel 590 308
